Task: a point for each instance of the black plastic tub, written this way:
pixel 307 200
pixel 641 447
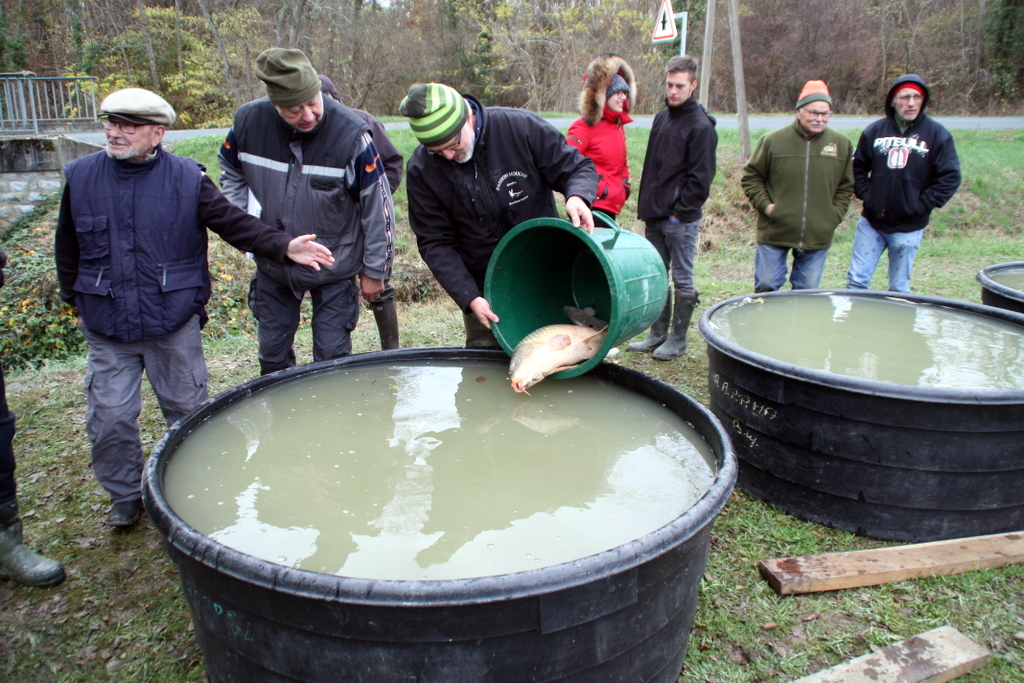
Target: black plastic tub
pixel 999 295
pixel 885 460
pixel 620 615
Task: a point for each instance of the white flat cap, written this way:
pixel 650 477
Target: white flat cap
pixel 138 106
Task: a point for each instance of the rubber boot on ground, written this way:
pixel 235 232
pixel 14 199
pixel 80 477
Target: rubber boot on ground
pixel 658 333
pixel 675 345
pixel 17 561
pixel 385 313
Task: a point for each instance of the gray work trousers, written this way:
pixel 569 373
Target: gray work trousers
pixel 177 372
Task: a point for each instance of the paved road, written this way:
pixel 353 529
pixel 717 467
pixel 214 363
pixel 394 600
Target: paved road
pixel 725 122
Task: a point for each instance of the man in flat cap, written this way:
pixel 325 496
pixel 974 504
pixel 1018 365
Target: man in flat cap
pixel 478 172
pixel 311 165
pixel 131 258
pixel 800 180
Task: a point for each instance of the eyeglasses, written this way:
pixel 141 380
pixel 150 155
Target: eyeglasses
pixel 126 128
pixel 818 114
pixel 451 146
pixel 910 98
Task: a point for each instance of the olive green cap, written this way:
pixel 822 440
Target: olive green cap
pixel 288 75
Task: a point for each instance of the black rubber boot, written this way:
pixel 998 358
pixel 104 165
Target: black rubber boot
pixel 675 345
pixel 658 333
pixel 386 315
pixel 17 561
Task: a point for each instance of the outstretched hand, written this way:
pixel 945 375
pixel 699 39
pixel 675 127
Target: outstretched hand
pixel 304 250
pixel 579 213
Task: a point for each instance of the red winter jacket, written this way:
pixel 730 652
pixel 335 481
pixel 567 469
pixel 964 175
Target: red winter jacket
pixel 605 144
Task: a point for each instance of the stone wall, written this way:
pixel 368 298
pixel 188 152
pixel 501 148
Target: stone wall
pixel 20 193
pixel 30 172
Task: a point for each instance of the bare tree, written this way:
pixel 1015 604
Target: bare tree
pixel 147 39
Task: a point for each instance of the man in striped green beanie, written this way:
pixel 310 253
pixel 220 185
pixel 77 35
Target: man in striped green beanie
pixel 479 172
pixel 435 111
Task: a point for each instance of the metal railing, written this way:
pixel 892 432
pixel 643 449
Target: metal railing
pixel 27 101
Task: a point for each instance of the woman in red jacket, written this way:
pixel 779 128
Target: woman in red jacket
pixel 609 92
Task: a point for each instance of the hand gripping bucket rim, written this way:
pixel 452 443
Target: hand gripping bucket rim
pixel 544 264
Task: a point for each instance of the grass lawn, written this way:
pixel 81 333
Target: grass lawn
pixel 120 616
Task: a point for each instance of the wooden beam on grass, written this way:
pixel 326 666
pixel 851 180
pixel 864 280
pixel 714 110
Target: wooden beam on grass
pixel 935 656
pixel 835 571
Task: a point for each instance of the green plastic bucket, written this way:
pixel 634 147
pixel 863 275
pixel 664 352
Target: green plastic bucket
pixel 544 264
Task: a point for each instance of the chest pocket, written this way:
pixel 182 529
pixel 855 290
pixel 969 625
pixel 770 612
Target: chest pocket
pixel 333 211
pixel 93 237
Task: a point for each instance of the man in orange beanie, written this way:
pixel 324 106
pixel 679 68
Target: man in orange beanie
pixel 800 180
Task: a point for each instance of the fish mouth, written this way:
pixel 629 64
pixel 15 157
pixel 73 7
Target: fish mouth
pixel 517 386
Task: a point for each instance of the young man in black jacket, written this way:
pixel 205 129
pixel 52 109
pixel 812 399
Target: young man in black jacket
pixel 905 166
pixel 678 170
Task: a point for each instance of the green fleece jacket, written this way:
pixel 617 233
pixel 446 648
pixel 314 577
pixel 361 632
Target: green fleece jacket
pixel 810 181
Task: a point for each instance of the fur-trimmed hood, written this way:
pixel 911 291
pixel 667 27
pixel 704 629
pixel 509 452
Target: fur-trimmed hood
pixel 595 84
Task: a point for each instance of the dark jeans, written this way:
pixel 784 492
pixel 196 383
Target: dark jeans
pixel 677 245
pixel 276 307
pixel 8 487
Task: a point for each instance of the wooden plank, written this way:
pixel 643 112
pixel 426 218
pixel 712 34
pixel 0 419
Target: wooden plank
pixel 936 656
pixel 835 571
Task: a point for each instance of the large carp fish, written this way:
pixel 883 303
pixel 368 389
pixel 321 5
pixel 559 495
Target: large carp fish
pixel 551 349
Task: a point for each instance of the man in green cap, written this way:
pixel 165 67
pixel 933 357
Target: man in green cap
pixel 306 163
pixel 800 180
pixel 478 172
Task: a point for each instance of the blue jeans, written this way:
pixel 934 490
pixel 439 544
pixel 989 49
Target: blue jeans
pixel 770 268
pixel 677 245
pixel 868 245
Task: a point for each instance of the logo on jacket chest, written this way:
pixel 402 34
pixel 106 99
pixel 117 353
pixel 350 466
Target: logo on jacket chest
pixel 830 150
pixel 898 150
pixel 512 187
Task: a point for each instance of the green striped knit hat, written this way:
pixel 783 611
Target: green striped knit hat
pixel 436 112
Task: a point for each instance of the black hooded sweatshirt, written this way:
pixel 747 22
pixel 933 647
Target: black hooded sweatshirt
pixel 902 176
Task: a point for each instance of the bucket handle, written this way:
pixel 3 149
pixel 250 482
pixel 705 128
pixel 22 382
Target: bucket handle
pixel 601 217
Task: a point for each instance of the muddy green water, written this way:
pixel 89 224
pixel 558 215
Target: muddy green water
pixel 1010 277
pixel 880 338
pixel 435 471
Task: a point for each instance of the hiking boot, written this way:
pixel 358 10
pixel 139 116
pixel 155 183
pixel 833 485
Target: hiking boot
pixel 20 563
pixel 125 514
pixel 658 333
pixel 675 345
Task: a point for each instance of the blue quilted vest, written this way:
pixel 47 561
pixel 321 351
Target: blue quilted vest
pixel 142 269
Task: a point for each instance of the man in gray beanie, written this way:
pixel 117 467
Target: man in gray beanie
pixel 305 163
pixel 131 259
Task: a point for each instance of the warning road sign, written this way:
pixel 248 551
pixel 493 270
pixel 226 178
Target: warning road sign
pixel 665 24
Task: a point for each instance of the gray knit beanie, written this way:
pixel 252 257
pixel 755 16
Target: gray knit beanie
pixel 617 84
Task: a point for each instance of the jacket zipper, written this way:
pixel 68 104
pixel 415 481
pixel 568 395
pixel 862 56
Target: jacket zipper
pixel 807 171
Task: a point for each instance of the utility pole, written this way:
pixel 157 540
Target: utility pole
pixel 741 89
pixel 709 52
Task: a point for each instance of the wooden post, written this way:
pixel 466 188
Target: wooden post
pixel 741 89
pixel 709 52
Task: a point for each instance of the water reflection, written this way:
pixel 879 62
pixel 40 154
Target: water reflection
pixel 431 471
pixel 1008 277
pixel 886 339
